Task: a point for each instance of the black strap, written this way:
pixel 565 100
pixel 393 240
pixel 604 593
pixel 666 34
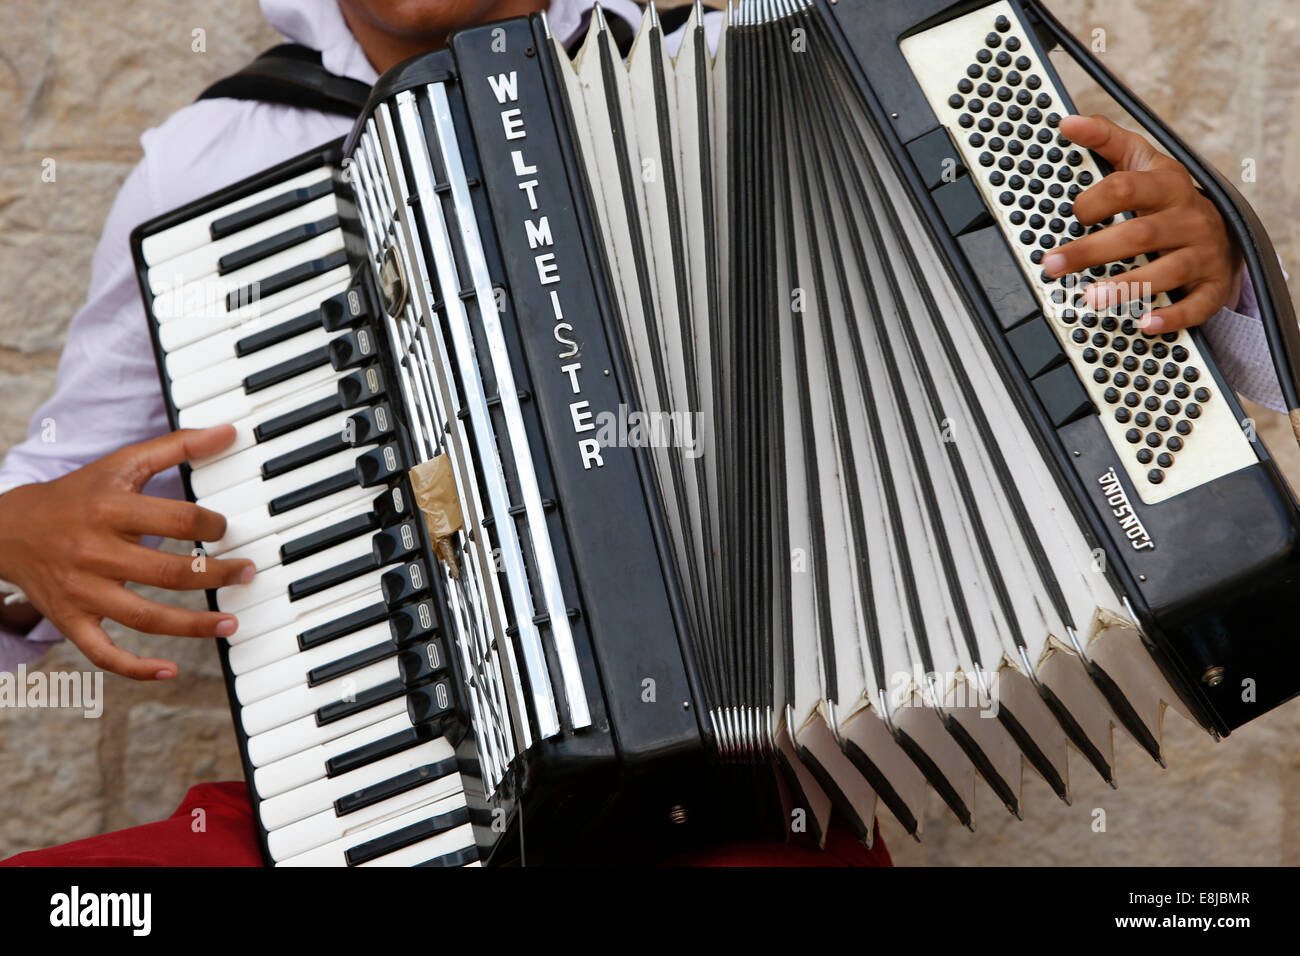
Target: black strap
pixel 292 75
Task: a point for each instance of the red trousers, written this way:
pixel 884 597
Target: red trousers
pixel 228 837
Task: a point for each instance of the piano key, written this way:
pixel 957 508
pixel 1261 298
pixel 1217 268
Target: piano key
pixel 250 216
pixel 369 469
pixel 435 837
pixel 363 842
pixel 271 615
pixel 355 388
pixel 196 232
pixel 345 696
pixel 234 373
pixel 327 826
pixel 361 428
pixel 338 311
pixel 346 624
pixel 312 764
pixel 206 321
pixel 351 788
pixel 205 260
pixel 255 492
pixel 292 671
pixel 274 244
pixel 303 733
pixel 247 524
pixel 282 642
pixel 273 584
pixel 208 479
pixel 237 404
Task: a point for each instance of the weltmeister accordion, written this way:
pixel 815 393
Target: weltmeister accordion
pixel 644 452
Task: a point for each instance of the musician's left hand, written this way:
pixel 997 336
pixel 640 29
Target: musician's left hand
pixel 1174 219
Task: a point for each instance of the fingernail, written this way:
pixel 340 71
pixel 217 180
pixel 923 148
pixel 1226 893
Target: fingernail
pixel 247 575
pixel 1151 323
pixel 227 627
pixel 164 675
pixel 1054 264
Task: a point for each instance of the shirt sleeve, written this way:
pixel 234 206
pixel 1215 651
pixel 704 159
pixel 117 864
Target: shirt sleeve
pixel 1241 349
pixel 106 393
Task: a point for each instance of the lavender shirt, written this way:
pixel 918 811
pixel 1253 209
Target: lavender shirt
pixel 107 393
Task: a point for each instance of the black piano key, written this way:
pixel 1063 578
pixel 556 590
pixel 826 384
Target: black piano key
pixel 379 465
pixel 350 663
pixel 362 386
pixel 344 309
pixel 369 425
pixel 305 455
pixel 287 369
pixel 401 584
pixel 389 690
pixel 280 332
pixel 352 348
pixel 422 662
pixel 391 506
pixel 269 246
pixel 284 279
pixel 415 622
pixel 290 421
pixel 394 543
pixel 355 759
pixel 429 702
pixel 337 533
pixel 317 489
pixel 394 786
pixel 408 836
pixel 247 218
pixel 451 860
pixel 324 580
pixel 342 626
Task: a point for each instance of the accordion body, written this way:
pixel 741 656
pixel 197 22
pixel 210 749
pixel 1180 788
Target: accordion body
pixel 642 453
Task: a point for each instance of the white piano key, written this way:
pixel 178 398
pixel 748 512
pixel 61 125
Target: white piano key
pixel 270 646
pixel 334 852
pixel 230 373
pixel 289 705
pixel 245 523
pixel 220 346
pixel 308 765
pixel 255 492
pixel 215 318
pixel 311 798
pixel 237 405
pixel 204 260
pixel 273 584
pixel 181 238
pixel 210 478
pixel 292 671
pixel 270 615
pixel 292 738
pixel 265 551
pixel 206 297
pixel 324 827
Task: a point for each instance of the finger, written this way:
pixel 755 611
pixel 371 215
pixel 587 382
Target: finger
pixel 93 641
pixel 175 572
pixel 152 617
pixel 1132 237
pixel 136 464
pixel 1194 308
pixel 144 514
pixel 1122 148
pixel 1126 191
pixel 1172 271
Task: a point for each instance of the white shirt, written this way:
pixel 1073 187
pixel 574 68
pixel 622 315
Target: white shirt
pixel 107 393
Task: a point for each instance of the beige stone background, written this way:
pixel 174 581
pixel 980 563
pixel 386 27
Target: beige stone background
pixel 80 80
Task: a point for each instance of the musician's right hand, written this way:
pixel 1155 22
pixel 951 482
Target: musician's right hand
pixel 72 544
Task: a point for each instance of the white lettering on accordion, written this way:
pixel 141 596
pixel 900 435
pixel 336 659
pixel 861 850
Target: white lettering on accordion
pixel 505 87
pixel 1120 507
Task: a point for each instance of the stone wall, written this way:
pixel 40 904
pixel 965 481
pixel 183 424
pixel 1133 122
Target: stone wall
pixel 80 80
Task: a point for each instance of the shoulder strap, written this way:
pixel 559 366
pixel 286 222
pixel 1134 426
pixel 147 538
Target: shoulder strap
pixel 292 75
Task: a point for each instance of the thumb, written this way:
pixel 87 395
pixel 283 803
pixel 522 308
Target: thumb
pixel 1122 148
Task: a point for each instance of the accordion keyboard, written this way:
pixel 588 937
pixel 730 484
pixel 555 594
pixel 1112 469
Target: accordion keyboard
pixel 1002 108
pixel 337 668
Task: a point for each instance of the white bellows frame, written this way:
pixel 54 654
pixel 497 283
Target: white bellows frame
pixel 885 586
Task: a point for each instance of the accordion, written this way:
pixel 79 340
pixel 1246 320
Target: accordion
pixel 640 453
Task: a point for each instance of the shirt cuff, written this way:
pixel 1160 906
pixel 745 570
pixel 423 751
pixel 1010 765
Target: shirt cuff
pixel 1241 349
